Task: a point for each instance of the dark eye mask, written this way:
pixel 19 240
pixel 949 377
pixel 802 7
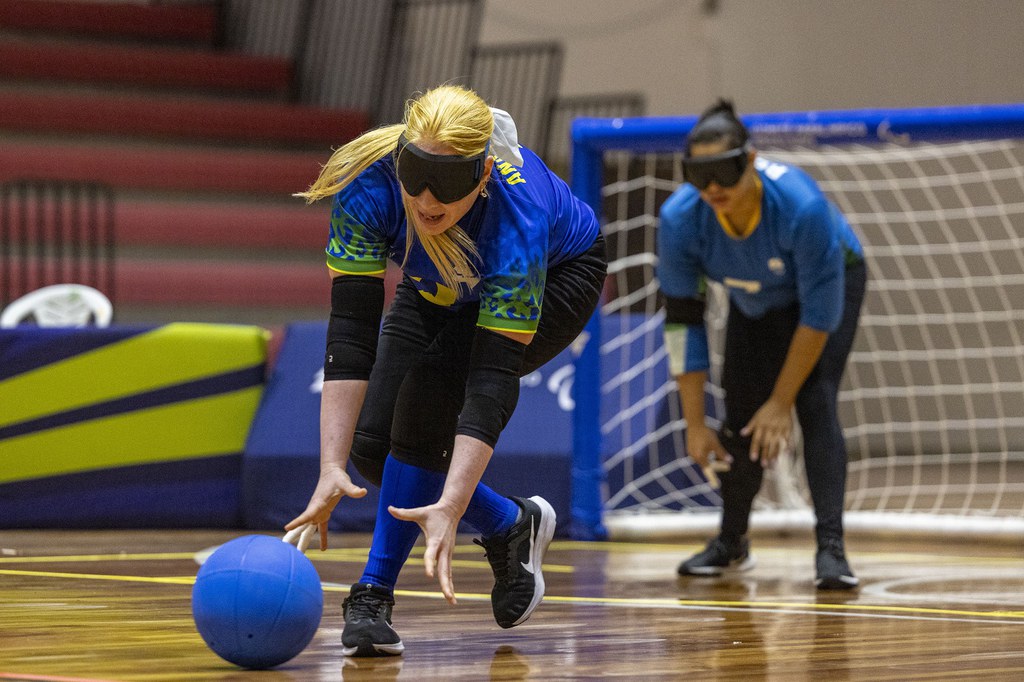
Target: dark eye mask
pixel 449 177
pixel 724 169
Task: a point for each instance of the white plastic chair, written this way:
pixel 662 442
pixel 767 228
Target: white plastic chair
pixel 60 305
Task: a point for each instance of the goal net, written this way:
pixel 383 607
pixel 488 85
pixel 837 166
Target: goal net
pixel 932 401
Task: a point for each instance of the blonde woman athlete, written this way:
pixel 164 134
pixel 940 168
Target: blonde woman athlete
pixel 502 268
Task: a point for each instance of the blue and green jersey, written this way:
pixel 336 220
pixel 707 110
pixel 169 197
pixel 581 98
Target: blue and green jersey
pixel 529 223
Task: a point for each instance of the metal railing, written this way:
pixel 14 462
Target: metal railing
pixel 431 43
pixel 522 79
pixel 371 55
pixel 53 232
pixel 556 151
pixel 368 55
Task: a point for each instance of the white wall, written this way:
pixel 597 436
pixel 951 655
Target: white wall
pixel 778 55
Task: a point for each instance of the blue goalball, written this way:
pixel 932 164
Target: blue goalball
pixel 257 601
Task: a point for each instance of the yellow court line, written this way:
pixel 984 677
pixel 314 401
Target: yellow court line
pixel 615 547
pixel 361 554
pixel 466 563
pixel 901 557
pixel 817 606
pixel 166 580
pixel 26 677
pixel 60 558
pixel 330 556
pixel 875 609
pixel 350 554
pixel 345 554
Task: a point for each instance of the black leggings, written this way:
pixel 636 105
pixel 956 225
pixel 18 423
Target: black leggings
pixel 755 350
pixel 418 381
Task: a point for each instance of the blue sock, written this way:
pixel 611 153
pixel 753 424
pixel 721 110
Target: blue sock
pixel 404 486
pixel 490 513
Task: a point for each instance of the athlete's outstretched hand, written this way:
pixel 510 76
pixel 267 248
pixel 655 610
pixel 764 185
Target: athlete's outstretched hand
pixel 439 524
pixel 703 447
pixel 770 430
pixel 333 485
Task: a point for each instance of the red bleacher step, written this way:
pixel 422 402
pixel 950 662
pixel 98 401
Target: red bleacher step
pixel 242 282
pixel 232 283
pixel 190 223
pixel 228 283
pixel 179 117
pixel 186 169
pixel 161 67
pixel 175 282
pixel 192 22
pixel 222 224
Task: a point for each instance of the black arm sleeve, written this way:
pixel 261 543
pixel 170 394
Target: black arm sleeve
pixel 492 387
pixel 688 311
pixel 357 302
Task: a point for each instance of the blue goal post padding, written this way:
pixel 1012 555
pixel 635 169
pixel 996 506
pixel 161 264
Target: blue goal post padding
pixel 592 137
pixel 927 124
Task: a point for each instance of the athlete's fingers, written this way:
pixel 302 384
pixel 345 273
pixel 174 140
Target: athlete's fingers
pixel 430 559
pixel 444 575
pixel 355 491
pixel 755 444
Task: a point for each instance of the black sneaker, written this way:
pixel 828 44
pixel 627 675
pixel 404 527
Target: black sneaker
pixel 833 571
pixel 516 559
pixel 368 630
pixel 719 557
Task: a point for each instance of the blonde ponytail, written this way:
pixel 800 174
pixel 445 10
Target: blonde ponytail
pixel 352 159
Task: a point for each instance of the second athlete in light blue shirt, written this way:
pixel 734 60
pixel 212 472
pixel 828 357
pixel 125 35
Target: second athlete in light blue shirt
pixel 795 274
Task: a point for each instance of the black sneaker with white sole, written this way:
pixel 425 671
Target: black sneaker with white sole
pixel 719 557
pixel 516 557
pixel 831 568
pixel 368 630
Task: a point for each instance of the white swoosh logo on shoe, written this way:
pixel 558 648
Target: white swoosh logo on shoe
pixel 528 567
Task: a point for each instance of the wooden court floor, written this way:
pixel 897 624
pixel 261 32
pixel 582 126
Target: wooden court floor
pixel 115 605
